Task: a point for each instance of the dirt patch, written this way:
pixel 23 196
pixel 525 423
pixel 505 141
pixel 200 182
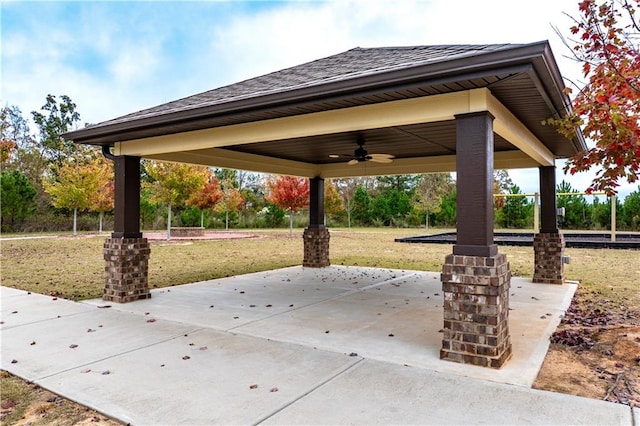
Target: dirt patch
pixel 595 352
pixel 24 403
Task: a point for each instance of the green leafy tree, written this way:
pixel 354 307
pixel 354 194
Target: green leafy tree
pixel 102 200
pixel 516 212
pixel 429 193
pixel 173 184
pixel 56 117
pixel 447 214
pixel 577 213
pixel 391 206
pixel 75 188
pixel 362 204
pixel 18 199
pixel 631 210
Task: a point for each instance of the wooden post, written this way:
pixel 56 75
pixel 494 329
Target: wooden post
pixel 613 217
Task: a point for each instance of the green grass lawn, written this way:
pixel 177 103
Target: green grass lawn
pixel 73 267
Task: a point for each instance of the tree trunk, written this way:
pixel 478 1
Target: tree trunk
pixel 349 213
pixel 290 223
pixel 201 218
pixel 75 221
pixel 100 227
pixel 226 220
pixel 169 222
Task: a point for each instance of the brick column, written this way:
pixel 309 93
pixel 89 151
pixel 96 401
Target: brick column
pixel 126 253
pixel 548 244
pixel 126 269
pixel 316 235
pixel 475 278
pixel 316 247
pixel 476 310
pixel 548 249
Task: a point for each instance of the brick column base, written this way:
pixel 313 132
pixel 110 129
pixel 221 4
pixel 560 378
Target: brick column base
pixel 476 310
pixel 548 249
pixel 126 269
pixel 316 247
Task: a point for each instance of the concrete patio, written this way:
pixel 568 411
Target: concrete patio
pixel 336 345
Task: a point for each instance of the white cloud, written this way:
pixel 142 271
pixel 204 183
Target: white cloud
pixel 114 58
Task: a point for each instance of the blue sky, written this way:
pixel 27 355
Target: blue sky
pixel 117 57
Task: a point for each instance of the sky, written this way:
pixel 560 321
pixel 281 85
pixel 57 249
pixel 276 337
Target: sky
pixel 116 57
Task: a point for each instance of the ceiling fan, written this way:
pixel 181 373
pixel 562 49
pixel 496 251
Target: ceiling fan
pixel 361 155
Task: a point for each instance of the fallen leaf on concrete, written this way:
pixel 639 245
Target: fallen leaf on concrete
pixel 106 372
pixel 32 343
pixel 273 390
pixel 73 346
pixel 86 370
pixel 14 361
pixel 203 348
pixel 151 320
pixel 104 306
pixel 186 357
pixel 253 387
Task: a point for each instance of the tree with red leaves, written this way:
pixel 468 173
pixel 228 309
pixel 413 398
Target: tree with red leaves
pixel 207 197
pixel 289 193
pixel 608 106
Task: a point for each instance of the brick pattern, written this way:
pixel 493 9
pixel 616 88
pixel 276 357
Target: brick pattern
pixel 316 247
pixel 126 269
pixel 476 310
pixel 548 249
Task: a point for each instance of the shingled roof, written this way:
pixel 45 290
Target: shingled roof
pixel 352 64
pixel 521 78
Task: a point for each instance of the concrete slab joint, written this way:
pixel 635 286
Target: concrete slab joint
pixel 548 249
pixel 476 310
pixel 126 269
pixel 316 247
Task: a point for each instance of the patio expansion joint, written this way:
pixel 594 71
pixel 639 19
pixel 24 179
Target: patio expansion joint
pixel 9 327
pixel 345 294
pixel 332 377
pixel 128 351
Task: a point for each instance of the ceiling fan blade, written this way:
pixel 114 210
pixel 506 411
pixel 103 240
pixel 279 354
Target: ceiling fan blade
pixel 353 162
pixel 381 160
pixel 388 156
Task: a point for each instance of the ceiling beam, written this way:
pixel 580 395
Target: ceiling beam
pixel 385 114
pixel 509 127
pixel 223 158
pixel 216 157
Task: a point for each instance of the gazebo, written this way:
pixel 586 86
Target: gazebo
pixel 442 108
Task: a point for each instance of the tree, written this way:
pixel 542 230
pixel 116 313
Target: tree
pixel 631 210
pixel 608 106
pixel 429 192
pixel 577 214
pixel 75 188
pixel 102 200
pixel 333 203
pixel 18 199
pixel 173 184
pixel 347 188
pixel 230 200
pixel 60 118
pixel 289 193
pixel 516 212
pixel 362 206
pixel 206 198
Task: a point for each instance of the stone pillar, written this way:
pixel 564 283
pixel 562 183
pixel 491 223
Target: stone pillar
pixel 126 253
pixel 475 278
pixel 126 269
pixel 476 310
pixel 548 244
pixel 316 235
